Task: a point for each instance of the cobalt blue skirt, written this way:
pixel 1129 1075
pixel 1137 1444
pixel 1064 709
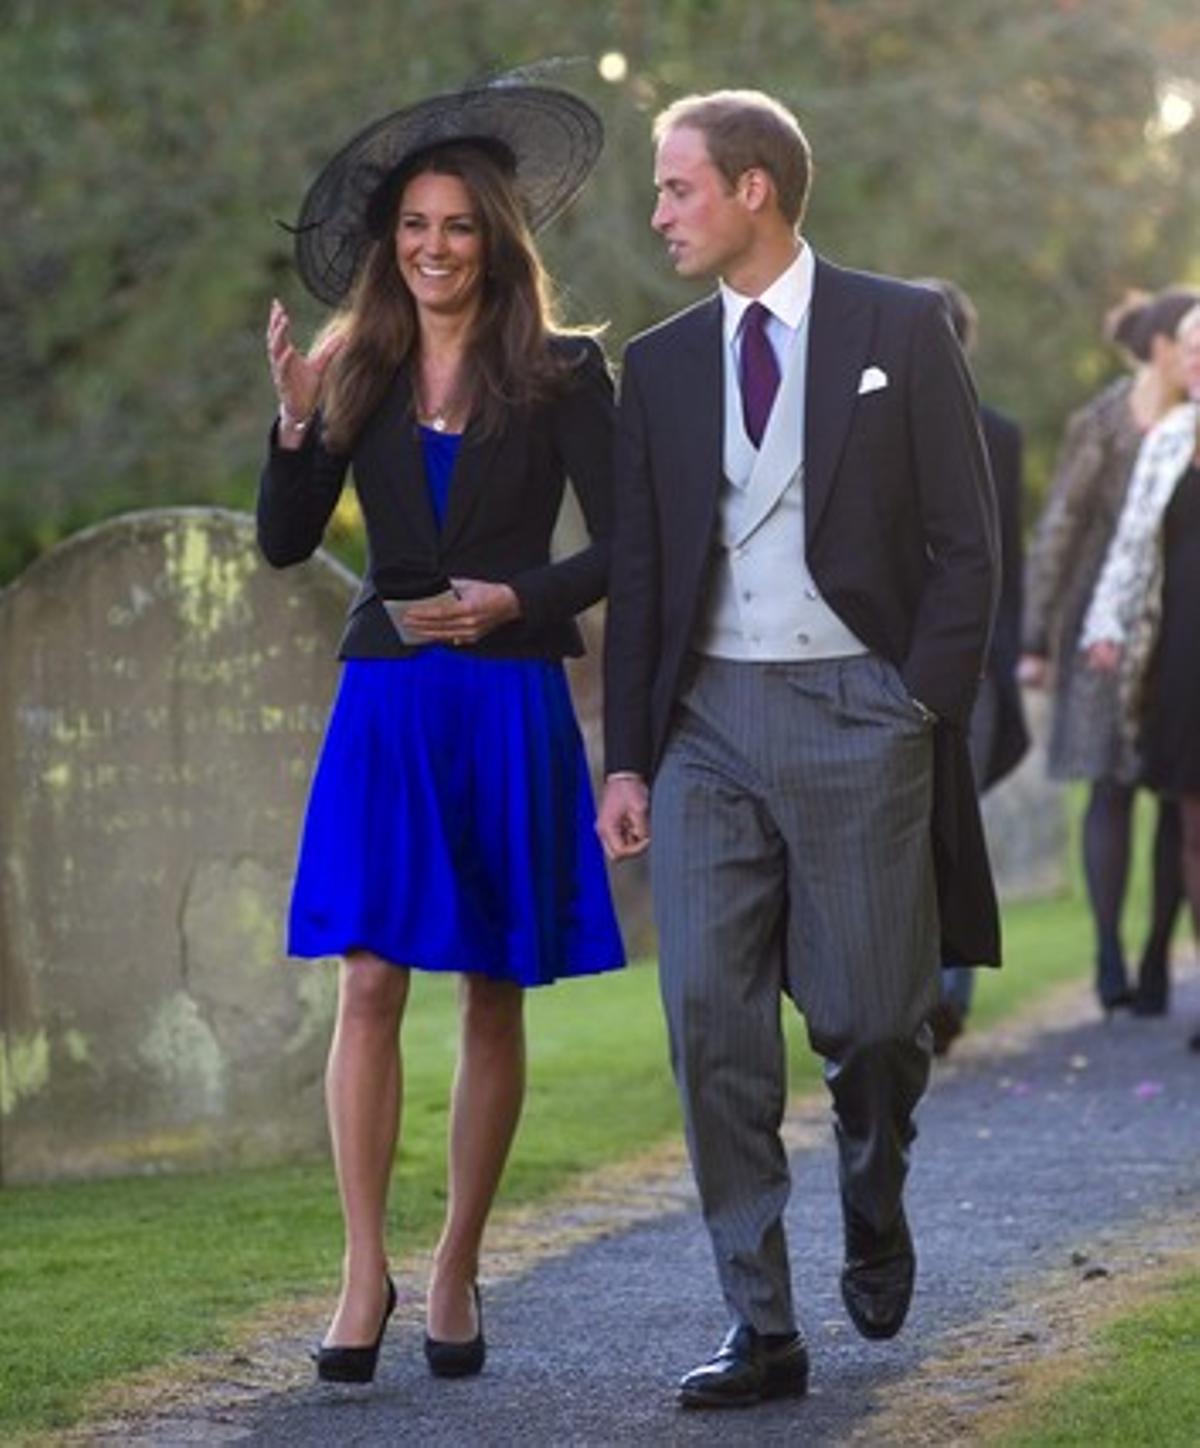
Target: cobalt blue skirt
pixel 451 824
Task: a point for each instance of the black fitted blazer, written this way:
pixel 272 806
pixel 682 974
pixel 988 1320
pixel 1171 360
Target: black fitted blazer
pixel 505 495
pixel 900 534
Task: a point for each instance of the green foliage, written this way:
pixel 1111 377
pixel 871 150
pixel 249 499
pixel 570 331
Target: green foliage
pixel 1005 143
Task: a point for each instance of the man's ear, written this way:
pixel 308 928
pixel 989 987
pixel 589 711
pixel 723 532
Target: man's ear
pixel 755 188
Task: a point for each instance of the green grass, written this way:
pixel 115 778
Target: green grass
pixel 1143 1389
pixel 101 1278
pixel 1045 944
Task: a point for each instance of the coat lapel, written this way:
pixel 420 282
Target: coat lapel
pixel 699 385
pixel 838 343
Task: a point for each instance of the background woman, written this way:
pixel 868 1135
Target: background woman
pixel 1065 558
pixel 450 825
pixel 1141 626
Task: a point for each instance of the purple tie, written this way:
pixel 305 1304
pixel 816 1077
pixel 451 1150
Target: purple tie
pixel 759 372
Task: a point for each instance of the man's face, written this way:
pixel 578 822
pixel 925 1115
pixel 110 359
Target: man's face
pixel 702 219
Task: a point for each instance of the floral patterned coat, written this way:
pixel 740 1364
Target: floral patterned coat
pixel 1126 606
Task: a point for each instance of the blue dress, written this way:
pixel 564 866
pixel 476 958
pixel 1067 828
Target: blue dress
pixel 451 823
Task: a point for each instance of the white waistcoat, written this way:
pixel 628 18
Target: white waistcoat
pixel 762 602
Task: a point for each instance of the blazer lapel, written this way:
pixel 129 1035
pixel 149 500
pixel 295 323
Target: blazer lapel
pixel 468 480
pixel 838 342
pixel 397 445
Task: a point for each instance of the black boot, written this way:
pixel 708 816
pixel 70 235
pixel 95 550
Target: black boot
pixel 1153 994
pixel 1112 983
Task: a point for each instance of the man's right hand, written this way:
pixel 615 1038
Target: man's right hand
pixel 623 823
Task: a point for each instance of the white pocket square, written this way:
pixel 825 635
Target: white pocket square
pixel 872 380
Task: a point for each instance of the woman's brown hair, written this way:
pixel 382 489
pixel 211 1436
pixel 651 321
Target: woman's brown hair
pixel 508 362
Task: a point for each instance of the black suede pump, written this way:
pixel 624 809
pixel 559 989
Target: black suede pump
pixel 355 1364
pixel 458 1359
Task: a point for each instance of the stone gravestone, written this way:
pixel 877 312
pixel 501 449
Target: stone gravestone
pixel 1025 820
pixel 162 698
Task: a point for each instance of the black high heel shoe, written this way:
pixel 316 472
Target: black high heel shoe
pixel 355 1364
pixel 1112 981
pixel 458 1359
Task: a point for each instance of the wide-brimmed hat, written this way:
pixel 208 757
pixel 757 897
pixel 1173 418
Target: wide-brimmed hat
pixel 549 138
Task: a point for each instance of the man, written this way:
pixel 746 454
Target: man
pixel 802 584
pixel 998 737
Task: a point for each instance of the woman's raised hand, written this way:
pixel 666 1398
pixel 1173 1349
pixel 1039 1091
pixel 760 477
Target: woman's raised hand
pixel 297 378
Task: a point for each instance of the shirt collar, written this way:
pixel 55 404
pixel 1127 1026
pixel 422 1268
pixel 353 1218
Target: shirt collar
pixel 787 298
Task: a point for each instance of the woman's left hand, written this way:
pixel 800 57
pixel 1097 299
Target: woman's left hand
pixel 479 608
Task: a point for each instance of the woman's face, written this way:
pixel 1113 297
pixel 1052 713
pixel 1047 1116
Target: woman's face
pixel 1189 357
pixel 1167 360
pixel 439 244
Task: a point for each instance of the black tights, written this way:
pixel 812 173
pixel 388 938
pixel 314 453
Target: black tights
pixel 1190 808
pixel 1107 831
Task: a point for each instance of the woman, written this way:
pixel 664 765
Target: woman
pixel 450 826
pixel 1141 626
pixel 1065 558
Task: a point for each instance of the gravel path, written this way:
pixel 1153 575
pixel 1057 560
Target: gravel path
pixel 1039 1162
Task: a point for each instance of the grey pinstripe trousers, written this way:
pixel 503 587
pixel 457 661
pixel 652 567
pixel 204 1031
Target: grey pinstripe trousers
pixel 790 851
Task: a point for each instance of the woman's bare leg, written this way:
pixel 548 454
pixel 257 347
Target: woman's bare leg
pixel 363 1084
pixel 489 1087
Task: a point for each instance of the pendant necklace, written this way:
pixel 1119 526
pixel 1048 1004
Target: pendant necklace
pixel 438 418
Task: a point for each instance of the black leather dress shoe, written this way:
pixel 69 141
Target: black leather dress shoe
pixel 877 1280
pixel 748 1368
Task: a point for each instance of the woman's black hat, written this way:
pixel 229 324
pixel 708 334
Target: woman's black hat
pixel 547 138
